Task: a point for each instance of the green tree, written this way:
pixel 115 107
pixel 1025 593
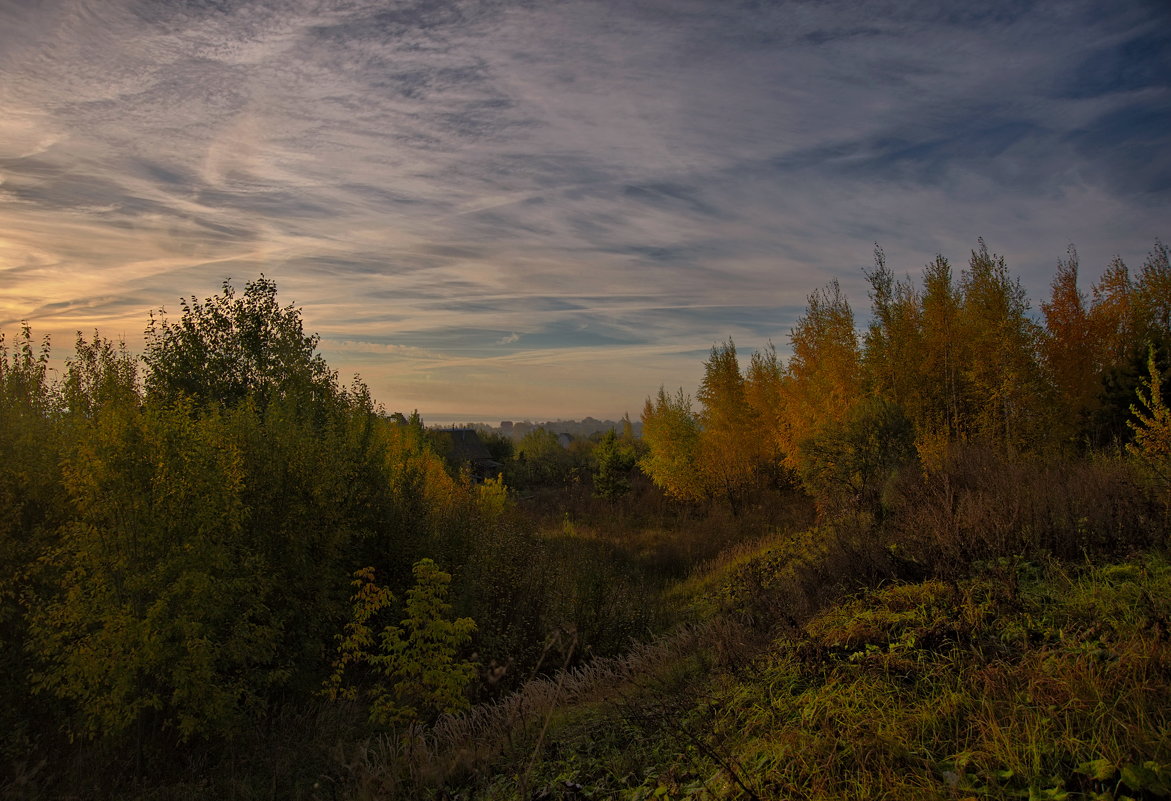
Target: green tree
pixel 161 611
pixel 847 465
pixel 32 509
pixel 500 447
pixel 541 460
pixel 613 460
pixel 415 669
pixel 98 375
pixel 672 436
pixel 230 347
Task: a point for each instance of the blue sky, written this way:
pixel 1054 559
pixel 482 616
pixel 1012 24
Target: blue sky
pixel 499 210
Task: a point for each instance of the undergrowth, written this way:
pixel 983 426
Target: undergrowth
pixel 1035 680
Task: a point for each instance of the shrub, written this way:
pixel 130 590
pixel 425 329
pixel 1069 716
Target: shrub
pixel 414 669
pixel 981 505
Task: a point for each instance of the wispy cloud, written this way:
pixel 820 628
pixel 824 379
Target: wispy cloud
pixel 514 201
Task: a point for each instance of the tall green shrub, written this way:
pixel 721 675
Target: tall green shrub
pixel 415 671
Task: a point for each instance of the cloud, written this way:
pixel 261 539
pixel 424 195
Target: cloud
pixel 593 184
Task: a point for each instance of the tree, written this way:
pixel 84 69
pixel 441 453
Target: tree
pixel 614 458
pixel 847 464
pixel 1111 317
pixel 1000 368
pixel 162 611
pixel 1152 299
pixel 893 343
pixel 627 429
pixel 541 459
pixel 763 390
pixel 1152 424
pixel 32 510
pixel 1130 316
pixel 1070 353
pixel 942 414
pixel 671 433
pixel 416 672
pixel 99 374
pixel 730 443
pixel 228 348
pixel 823 379
pixel 1113 329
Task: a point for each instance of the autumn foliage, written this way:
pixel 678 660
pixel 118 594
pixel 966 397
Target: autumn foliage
pixel 219 563
pixel 178 546
pixel 949 361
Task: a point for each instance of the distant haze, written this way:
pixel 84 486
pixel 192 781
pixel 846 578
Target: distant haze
pixel 509 210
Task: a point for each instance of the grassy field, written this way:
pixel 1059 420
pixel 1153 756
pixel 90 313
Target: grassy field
pixel 1026 680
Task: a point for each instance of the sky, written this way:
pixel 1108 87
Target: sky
pixel 507 210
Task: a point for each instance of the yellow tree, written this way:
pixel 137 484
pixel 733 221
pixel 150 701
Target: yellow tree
pixel 671 433
pixel 893 343
pixel 1069 350
pixel 1113 332
pixel 942 408
pixel 1000 368
pixel 730 451
pixel 1152 423
pixel 1128 316
pixel 762 390
pixel 1131 316
pixel 823 377
pixel 1110 317
pixel 1153 297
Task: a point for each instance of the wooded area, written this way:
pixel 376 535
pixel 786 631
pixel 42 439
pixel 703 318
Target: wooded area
pixel 224 571
pixel 951 361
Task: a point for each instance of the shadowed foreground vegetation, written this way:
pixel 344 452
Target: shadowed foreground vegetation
pixel 930 562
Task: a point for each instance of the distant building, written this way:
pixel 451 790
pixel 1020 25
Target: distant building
pixel 463 447
pixel 564 439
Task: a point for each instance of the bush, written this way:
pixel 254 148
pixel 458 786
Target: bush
pixel 415 670
pixel 981 505
pixel 848 465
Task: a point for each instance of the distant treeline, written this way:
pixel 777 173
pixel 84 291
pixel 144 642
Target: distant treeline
pixel 580 429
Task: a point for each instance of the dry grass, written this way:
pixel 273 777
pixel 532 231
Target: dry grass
pixel 980 505
pixel 470 744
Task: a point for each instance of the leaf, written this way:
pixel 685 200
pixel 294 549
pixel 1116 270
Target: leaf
pixel 1145 777
pixel 1097 769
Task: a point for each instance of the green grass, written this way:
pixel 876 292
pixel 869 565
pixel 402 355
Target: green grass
pixel 1025 681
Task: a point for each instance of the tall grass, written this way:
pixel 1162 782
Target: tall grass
pixel 980 505
pixel 1039 683
pixel 470 744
